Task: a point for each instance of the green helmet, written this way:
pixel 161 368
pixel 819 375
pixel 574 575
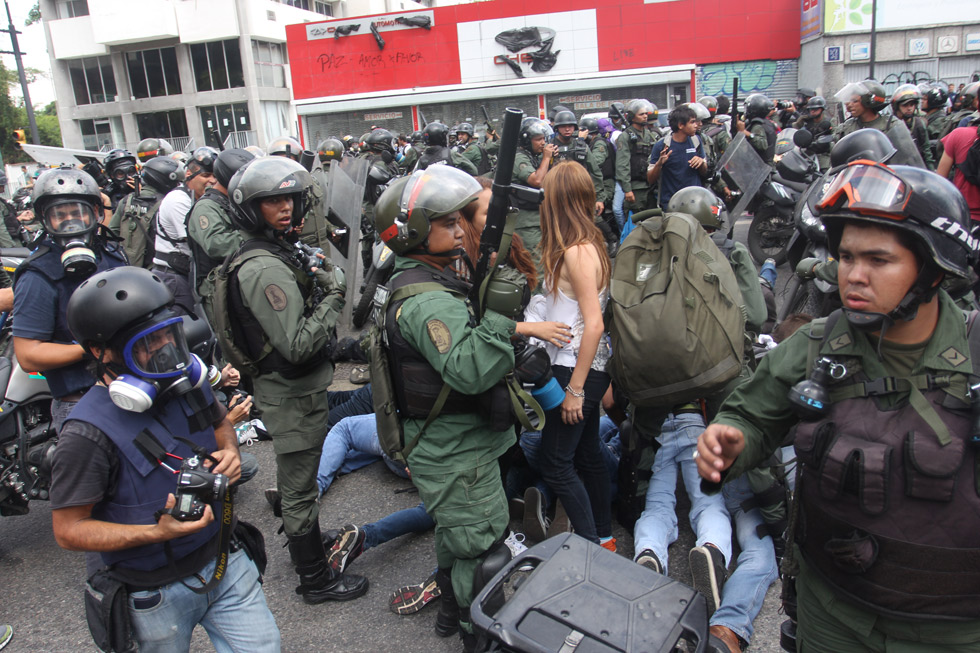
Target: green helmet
pixel 703 205
pixel 710 103
pixel 405 210
pixel 330 149
pixel 285 146
pixel 269 176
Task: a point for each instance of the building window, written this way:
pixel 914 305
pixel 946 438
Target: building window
pixel 153 73
pixel 72 8
pixel 217 65
pixel 227 119
pixel 171 125
pixel 97 134
pixel 92 80
pixel 270 63
pixel 319 6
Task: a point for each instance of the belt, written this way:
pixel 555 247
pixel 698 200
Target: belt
pixel 160 268
pixel 75 396
pixel 688 408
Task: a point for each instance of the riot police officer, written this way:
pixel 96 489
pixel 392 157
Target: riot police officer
pixel 864 102
pixel 379 150
pixel 758 129
pixel 411 152
pixel 435 137
pixel 934 98
pixel 149 148
pixel 633 148
pixel 905 105
pixel 572 148
pixel 471 149
pixel 531 164
pixel 120 168
pixel 713 129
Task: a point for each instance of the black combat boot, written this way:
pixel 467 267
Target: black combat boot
pixel 447 621
pixel 317 583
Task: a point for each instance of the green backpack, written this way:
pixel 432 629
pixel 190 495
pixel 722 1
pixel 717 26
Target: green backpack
pixel 137 228
pixel 677 317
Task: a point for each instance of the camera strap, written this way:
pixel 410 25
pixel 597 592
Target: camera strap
pixel 225 528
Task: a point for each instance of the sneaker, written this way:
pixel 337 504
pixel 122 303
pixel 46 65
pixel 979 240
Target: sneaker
pixel 360 374
pixel 346 548
pixel 6 634
pixel 709 572
pixel 609 544
pixel 412 598
pixel 560 524
pixel 535 524
pixel 515 542
pixel 275 501
pixel 649 559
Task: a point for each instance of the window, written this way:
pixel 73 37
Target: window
pixel 162 124
pixel 153 73
pixel 92 80
pixel 226 118
pixel 72 8
pixel 217 65
pixel 98 134
pixel 270 62
pixel 319 6
pixel 323 8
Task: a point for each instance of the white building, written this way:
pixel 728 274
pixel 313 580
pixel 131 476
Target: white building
pixel 125 70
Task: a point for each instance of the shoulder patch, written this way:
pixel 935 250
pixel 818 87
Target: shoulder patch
pixel 953 357
pixel 276 297
pixel 203 221
pixel 439 334
pixel 840 341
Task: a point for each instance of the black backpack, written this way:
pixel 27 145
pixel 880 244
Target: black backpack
pixel 971 164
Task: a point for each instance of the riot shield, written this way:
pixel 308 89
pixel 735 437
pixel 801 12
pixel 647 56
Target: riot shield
pixel 743 168
pixel 344 194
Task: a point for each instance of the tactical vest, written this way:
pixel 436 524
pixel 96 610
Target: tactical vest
pixel 245 331
pixel 203 263
pixel 434 154
pixel 577 151
pixel 520 202
pixel 770 130
pixel 639 156
pixel 484 166
pixel 889 505
pixel 137 227
pixel 142 486
pixel 46 260
pixel 608 167
pixel 416 383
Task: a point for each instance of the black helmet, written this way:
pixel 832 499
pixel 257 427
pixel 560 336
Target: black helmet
pixel 269 176
pixel 905 93
pixel 710 103
pixel 111 303
pixel 330 149
pixel 416 136
pixel 67 186
pixel 969 95
pixel 935 96
pixel 817 102
pixel 435 133
pixel 203 158
pixel 163 174
pixel 151 147
pixel 914 200
pixel 285 146
pixel 116 158
pixel 530 129
pixel 465 128
pixel 868 144
pixel 404 212
pixel 703 205
pixel 564 118
pixel 555 110
pixel 616 109
pixel 804 94
pixel 757 105
pixel 639 106
pixel 229 162
pixel 381 140
pixel 590 125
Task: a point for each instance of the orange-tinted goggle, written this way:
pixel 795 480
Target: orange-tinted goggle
pixel 867 188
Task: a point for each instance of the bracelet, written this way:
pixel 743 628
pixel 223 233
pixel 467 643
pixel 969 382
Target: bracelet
pixel 579 395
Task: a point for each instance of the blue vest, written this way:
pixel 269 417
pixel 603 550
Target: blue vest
pixel 142 486
pixel 46 259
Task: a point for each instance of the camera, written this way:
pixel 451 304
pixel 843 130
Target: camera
pixel 532 366
pixel 196 488
pixel 782 105
pixel 309 257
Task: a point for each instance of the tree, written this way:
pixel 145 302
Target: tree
pixel 14 116
pixel 34 15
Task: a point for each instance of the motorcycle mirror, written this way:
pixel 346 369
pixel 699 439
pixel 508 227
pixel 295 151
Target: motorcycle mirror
pixel 802 138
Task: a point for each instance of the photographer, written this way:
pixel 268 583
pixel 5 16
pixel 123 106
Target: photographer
pixel 113 473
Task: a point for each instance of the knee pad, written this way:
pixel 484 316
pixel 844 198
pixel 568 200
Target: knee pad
pixel 492 560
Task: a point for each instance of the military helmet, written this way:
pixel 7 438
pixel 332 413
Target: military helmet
pixel 381 140
pixel 435 133
pixel 564 118
pixel 118 158
pixel 204 157
pixel 869 144
pixel 710 103
pixel 229 162
pixel 67 186
pixel 640 105
pixel 330 149
pixel 151 147
pixel 532 128
pixel 804 94
pixel 285 146
pixel 404 212
pixel 465 128
pixel 969 95
pixel 269 176
pixel 817 102
pixel 616 109
pixel 703 205
pixel 925 205
pixel 180 157
pixel 872 94
pixel 163 174
pixel 905 93
pixel 555 110
pixel 416 136
pixel 256 151
pixel 757 105
pixel 700 111
pixel 590 125
pixel 935 96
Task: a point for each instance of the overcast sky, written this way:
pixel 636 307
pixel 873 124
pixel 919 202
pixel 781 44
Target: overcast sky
pixel 31 41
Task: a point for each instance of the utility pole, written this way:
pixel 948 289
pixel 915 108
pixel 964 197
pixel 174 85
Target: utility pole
pixel 874 18
pixel 23 76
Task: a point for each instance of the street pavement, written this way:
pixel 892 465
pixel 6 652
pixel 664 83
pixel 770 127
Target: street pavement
pixel 41 585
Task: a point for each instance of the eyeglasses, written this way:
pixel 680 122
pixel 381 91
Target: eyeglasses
pixel 867 188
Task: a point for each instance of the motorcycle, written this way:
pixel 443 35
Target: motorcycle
pixel 27 440
pixel 382 264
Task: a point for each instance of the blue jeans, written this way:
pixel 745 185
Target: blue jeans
pixel 403 522
pixel 755 571
pixel 351 444
pixel 234 614
pixel 768 272
pixel 345 403
pixel 617 207
pixel 656 529
pixel 572 463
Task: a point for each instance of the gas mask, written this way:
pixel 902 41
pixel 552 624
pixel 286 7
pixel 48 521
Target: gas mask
pixel 157 363
pixel 70 223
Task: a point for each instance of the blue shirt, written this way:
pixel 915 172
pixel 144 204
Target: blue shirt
pixel 677 172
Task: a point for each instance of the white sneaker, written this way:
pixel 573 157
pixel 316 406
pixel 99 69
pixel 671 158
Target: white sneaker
pixel 515 542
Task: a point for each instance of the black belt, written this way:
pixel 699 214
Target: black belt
pixel 688 408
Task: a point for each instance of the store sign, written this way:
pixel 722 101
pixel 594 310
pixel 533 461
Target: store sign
pixel 390 115
pixel 855 15
pixel 972 42
pixel 918 47
pixel 833 54
pixel 389 23
pixel 809 19
pixel 947 44
pixel 860 51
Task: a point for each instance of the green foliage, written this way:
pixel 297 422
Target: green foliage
pixel 14 116
pixel 34 15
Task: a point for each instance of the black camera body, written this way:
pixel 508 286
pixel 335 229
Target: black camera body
pixel 309 257
pixel 196 488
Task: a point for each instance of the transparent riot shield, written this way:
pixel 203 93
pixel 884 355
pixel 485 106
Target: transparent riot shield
pixel 743 168
pixel 344 194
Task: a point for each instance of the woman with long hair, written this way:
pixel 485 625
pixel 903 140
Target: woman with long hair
pixel 576 280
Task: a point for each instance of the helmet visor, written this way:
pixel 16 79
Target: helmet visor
pixel 121 172
pixel 158 351
pixel 850 91
pixel 69 217
pixel 867 188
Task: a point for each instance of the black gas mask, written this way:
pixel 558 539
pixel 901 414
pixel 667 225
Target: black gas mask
pixel 71 223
